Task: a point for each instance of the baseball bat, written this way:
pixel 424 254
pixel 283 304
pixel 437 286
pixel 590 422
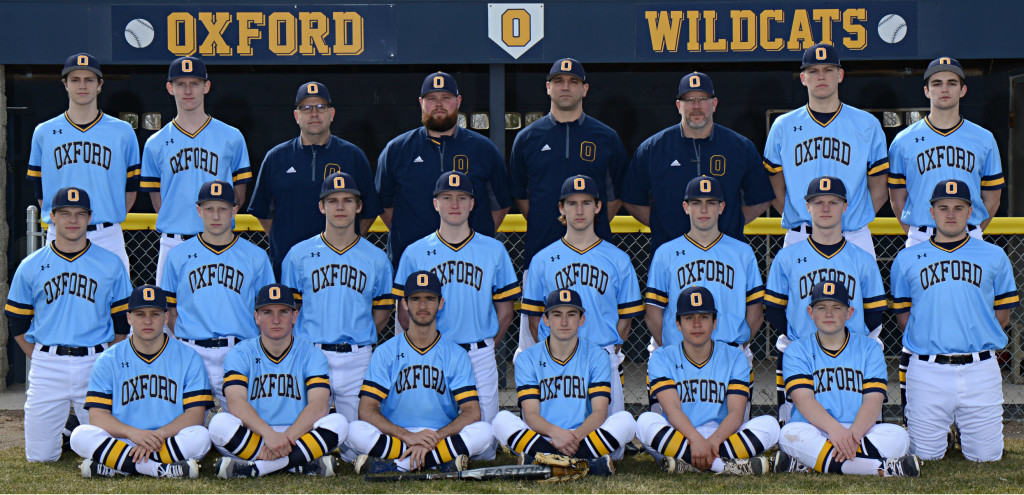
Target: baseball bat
pixel 510 472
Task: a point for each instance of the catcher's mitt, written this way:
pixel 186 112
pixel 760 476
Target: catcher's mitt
pixel 563 468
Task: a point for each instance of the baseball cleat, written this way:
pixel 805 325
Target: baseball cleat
pixel 188 468
pixel 230 468
pixel 365 464
pixel 524 459
pixel 602 466
pixel 326 466
pixel 672 465
pixel 755 466
pixel 93 469
pixel 460 463
pixel 785 463
pixel 906 466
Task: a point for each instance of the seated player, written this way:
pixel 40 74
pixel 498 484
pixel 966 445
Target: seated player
pixel 279 396
pixel 703 388
pixel 837 381
pixel 564 390
pixel 147 399
pixel 418 407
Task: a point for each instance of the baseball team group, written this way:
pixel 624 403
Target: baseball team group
pixel 273 359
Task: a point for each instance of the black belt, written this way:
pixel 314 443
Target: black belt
pixel 64 350
pixel 338 347
pixel 99 226
pixel 957 358
pixel 479 345
pixel 183 237
pixel 214 343
pixel 925 229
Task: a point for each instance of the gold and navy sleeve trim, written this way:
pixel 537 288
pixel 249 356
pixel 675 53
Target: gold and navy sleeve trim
pixel 599 389
pixel 993 182
pixel 119 306
pixel 34 173
pixel 772 298
pixel 17 310
pixel 172 299
pixel 660 384
pixel 149 184
pixel 771 167
pixel 799 381
pixel 508 293
pixel 755 295
pixel 655 297
pixel 531 307
pixel 897 181
pixel 232 377
pixel 877 303
pixel 99 400
pixel 631 309
pixel 878 168
pixel 465 394
pixel 242 176
pixel 197 398
pixel 373 390
pixel 317 381
pixel 384 302
pixel 900 305
pixel 527 392
pixel 873 385
pixel 738 387
pixel 398 290
pixel 1007 300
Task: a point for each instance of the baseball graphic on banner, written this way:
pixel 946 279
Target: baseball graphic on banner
pixel 139 33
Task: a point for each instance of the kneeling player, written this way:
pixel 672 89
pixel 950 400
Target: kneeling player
pixel 564 390
pixel 838 382
pixel 278 394
pixel 418 405
pixel 147 399
pixel 703 388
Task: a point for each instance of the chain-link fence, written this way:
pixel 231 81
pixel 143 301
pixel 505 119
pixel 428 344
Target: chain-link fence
pixel 143 247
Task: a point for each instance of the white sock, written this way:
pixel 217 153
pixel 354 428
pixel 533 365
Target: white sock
pixel 717 465
pixel 147 467
pixel 862 465
pixel 267 467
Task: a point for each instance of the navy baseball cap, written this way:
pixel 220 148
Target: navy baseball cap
pixel 312 88
pixel 954 189
pixel 569 66
pixel 422 281
pixel 822 53
pixel 339 182
pixel 703 186
pixel 825 186
pixel 695 300
pixel 563 297
pixel 829 291
pixel 578 184
pixel 275 294
pixel 439 81
pixel 82 61
pixel 453 181
pixel 70 196
pixel 187 67
pixel 147 296
pixel 217 190
pixel 695 81
pixel 944 64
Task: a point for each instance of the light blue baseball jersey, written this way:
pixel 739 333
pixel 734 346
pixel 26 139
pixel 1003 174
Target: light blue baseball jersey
pixel 420 387
pixel 798 267
pixel 921 156
pixel 339 289
pixel 850 146
pixel 214 289
pixel 277 387
pixel 474 275
pixel 727 268
pixel 839 379
pixel 703 387
pixel 176 164
pixel 101 157
pixel 149 391
pixel 565 389
pixel 71 300
pixel 952 292
pixel 602 274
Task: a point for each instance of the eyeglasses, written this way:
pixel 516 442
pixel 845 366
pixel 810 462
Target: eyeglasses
pixel 696 100
pixel 320 108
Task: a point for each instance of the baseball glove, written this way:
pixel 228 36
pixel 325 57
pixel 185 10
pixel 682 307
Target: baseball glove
pixel 563 468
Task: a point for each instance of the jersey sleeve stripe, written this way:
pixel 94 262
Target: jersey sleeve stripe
pixel 896 181
pixel 398 291
pixel 465 394
pixel 242 176
pixel 19 310
pixel 771 167
pixel 599 389
pixel 371 389
pixel 531 307
pixel 873 385
pixel 235 378
pixel 738 388
pixel 508 293
pixel 119 306
pixel 99 399
pixel 755 295
pixel 772 298
pixel 1007 301
pixel 660 384
pixel 317 381
pixel 876 304
pixel 992 182
pixel 901 305
pixel 383 301
pixel 528 392
pixel 204 399
pixel 34 173
pixel 149 184
pixel 799 381
pixel 656 297
pixel 134 171
pixel 879 167
pixel 631 309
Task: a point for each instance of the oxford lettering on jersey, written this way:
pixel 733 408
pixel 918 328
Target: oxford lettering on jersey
pixel 809 279
pixel 582 274
pixel 334 274
pixel 461 272
pixel 822 148
pixel 421 376
pixel 951 271
pixel 275 385
pixel 195 159
pixel 82 152
pixel 701 390
pixel 838 379
pixel 706 271
pixel 70 284
pixel 216 274
pixel 565 386
pixel 945 156
pixel 149 386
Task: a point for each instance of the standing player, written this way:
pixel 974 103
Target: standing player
pixel 653 185
pixel 943 146
pixel 564 386
pixel 703 389
pixel 601 273
pixel 65 305
pixel 827 137
pixel 952 375
pixel 192 150
pixel 418 407
pixel 297 168
pixel 838 382
pixel 339 273
pixel 725 266
pixel 86 148
pixel 825 256
pixel 279 397
pixel 211 281
pixel 414 160
pixel 147 397
pixel 478 283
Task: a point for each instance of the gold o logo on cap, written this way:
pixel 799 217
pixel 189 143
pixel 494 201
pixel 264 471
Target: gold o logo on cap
pixel 825 184
pixel 695 299
pixel 73 195
pixel 820 53
pixel 438 81
pixel 216 189
pixel 148 294
pixel 567 65
pixel 829 288
pixel 579 183
pixel 705 186
pixel 945 61
pixel 339 182
pixel 951 187
pixel 275 293
pixel 312 88
pixel 694 81
pixel 454 180
pixel 422 279
pixel 564 295
pixel 83 60
pixel 186 65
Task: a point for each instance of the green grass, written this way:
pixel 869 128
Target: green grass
pixel 637 474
